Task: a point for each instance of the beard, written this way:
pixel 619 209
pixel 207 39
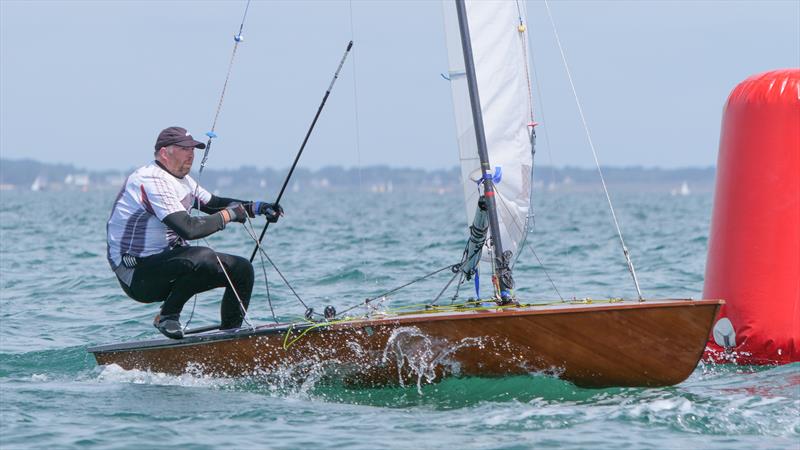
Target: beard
pixel 184 169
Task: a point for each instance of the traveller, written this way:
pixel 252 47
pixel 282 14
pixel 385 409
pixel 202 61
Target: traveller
pixel 149 230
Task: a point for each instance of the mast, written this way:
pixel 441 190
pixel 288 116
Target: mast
pixel 501 261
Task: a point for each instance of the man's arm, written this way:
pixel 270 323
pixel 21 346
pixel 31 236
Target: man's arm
pixel 217 204
pixel 271 211
pixel 194 227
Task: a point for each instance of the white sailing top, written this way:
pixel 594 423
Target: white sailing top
pixel 149 195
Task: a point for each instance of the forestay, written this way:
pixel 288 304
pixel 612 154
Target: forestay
pixel 499 44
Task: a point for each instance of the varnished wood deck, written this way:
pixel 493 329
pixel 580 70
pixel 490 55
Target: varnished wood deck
pixel 651 343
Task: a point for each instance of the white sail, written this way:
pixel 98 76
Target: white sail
pixel 499 46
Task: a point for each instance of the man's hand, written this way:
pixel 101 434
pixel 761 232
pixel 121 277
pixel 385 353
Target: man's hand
pixel 271 211
pixel 236 213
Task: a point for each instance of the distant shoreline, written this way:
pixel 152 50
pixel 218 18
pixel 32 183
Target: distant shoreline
pixel 28 174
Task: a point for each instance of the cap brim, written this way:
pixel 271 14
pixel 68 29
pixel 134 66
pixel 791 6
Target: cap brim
pixel 191 143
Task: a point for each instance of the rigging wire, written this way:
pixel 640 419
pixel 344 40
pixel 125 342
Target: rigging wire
pixel 531 216
pixel 305 141
pixel 392 291
pixel 251 231
pixel 549 157
pixel 264 254
pixel 237 38
pixel 524 43
pixel 594 153
pixel 436 299
pixel 235 292
pixel 522 28
pixel 357 127
pixel 242 308
pixel 525 243
pixel 458 289
pixel 191 315
pixel 541 100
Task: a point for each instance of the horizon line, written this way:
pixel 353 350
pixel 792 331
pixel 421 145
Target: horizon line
pixel 370 166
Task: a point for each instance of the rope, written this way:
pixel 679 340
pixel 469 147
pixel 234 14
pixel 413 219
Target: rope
pixel 288 343
pixel 489 244
pixel 594 153
pixel 495 285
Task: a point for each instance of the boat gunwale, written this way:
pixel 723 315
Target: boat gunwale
pixel 405 318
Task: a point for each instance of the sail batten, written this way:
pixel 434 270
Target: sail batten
pixel 501 67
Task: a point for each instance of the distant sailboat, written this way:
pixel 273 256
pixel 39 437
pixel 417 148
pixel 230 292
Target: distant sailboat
pixel 591 343
pixel 39 183
pixel 682 191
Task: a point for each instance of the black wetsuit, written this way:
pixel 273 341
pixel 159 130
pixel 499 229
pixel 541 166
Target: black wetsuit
pixel 176 275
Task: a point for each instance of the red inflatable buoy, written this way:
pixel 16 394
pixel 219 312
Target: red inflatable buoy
pixel 754 245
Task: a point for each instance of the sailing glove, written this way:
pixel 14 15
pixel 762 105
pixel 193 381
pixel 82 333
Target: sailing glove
pixel 271 211
pixel 237 212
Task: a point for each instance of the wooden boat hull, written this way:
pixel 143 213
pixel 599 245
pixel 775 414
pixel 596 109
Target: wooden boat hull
pixel 651 343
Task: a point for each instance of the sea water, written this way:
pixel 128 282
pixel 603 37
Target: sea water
pixel 58 296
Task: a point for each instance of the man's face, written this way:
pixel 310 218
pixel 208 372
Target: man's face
pixel 178 159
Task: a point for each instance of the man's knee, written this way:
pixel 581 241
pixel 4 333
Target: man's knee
pixel 208 261
pixel 242 266
pixel 203 254
pixel 204 260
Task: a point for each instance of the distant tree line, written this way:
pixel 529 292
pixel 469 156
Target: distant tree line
pixel 22 173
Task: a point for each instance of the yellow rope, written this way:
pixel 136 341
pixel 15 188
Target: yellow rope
pixel 288 343
pixel 474 305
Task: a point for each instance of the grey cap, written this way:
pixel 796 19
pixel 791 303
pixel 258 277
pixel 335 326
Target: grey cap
pixel 177 136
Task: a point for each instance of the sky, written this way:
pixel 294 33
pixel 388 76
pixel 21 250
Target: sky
pixel 92 83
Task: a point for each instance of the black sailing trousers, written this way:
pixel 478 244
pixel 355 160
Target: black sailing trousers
pixel 176 275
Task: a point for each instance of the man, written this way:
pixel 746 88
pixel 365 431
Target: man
pixel 149 228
